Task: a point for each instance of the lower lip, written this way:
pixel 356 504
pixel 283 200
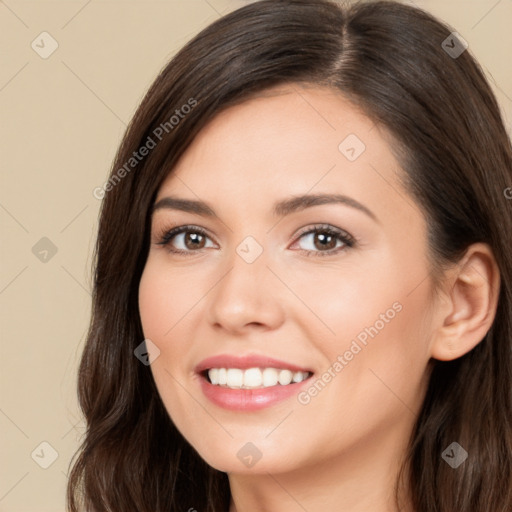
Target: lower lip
pixel 249 399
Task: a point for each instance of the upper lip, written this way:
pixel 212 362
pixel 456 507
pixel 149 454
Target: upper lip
pixel 246 361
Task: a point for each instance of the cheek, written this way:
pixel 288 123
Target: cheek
pixel 167 297
pixel 170 301
pixel 378 321
pixel 387 373
pixel 339 303
pixel 153 305
pixel 163 311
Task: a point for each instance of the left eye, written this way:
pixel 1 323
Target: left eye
pixel 321 239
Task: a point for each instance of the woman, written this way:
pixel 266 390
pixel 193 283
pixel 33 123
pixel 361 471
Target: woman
pixel 303 289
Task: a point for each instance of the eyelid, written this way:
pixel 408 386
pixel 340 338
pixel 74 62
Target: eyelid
pixel 326 227
pixel 165 236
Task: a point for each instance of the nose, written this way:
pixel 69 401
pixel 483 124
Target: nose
pixel 248 295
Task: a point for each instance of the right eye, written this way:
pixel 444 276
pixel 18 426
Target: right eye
pixel 192 241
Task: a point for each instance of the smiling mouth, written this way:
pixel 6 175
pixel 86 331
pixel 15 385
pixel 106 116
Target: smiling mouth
pixel 253 378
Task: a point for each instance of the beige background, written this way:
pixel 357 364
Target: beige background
pixel 61 121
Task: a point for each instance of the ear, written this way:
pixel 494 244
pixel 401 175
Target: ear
pixel 472 291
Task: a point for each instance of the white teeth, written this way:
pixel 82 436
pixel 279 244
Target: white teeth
pixel 235 378
pixel 285 377
pixel 298 377
pixel 270 377
pixel 253 378
pixel 214 375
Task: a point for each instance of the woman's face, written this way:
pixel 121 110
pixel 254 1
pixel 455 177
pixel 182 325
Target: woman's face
pixel 335 291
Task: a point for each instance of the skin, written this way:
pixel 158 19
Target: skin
pixel 342 450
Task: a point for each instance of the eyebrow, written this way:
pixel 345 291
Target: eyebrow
pixel 280 208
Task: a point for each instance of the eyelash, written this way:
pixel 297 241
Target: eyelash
pixel 348 241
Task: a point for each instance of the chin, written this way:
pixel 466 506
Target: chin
pixel 249 457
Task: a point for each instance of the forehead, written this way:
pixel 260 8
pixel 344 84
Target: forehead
pixel 290 118
pixel 287 141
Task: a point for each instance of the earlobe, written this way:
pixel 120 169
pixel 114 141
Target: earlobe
pixel 472 292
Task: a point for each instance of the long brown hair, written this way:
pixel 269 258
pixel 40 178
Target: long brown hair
pixel 389 60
